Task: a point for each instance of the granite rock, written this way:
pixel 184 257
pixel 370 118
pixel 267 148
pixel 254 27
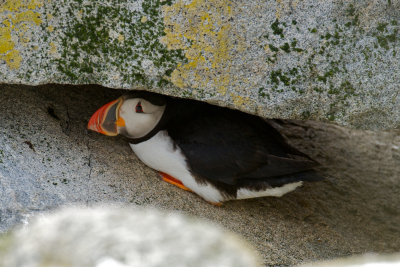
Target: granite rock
pixel 334 61
pixel 366 260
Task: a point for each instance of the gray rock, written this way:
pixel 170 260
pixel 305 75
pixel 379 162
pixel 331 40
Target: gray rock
pixel 48 160
pixel 331 60
pixel 115 236
pixel 390 260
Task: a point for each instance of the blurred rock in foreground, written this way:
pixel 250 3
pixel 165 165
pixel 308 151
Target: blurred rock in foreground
pixel 121 237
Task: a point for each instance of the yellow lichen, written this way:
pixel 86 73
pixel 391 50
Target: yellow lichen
pixel 284 7
pixel 13 59
pixel 239 100
pixel 18 16
pixel 279 7
pixel 53 48
pixel 5 40
pixel 143 19
pixel 79 14
pixel 121 38
pixel 26 17
pixel 202 29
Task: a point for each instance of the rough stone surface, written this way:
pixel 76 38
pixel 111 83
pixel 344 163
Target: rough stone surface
pixel 330 60
pixel 48 159
pixel 367 260
pixel 122 237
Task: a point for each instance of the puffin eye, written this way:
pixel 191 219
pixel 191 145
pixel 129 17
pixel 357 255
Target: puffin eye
pixel 139 108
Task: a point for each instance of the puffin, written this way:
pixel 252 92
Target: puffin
pixel 218 153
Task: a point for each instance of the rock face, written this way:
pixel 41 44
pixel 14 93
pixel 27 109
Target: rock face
pixel 122 237
pixel 331 60
pixel 360 261
pixel 48 160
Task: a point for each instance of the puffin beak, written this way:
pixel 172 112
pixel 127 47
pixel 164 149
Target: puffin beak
pixel 106 119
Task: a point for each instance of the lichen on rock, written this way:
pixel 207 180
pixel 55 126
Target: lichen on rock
pixel 319 60
pixel 117 39
pixel 16 20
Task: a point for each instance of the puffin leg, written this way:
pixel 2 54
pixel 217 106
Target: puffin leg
pixel 218 204
pixel 169 179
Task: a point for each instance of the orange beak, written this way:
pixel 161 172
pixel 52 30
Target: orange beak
pixel 106 119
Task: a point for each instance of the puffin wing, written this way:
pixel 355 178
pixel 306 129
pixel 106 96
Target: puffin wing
pixel 230 147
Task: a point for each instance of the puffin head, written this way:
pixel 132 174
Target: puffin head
pixel 133 116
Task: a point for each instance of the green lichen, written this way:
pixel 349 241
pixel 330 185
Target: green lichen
pixel 367 53
pixel 347 88
pixel 273 48
pixel 351 10
pixel 340 101
pixel 329 73
pixel 276 29
pixel 381 26
pixel 263 94
pixel 318 89
pixel 384 40
pixel 101 37
pixel 277 76
pixel 285 47
pixel 298 50
pixel 279 45
pixel 281 81
pixel 327 36
pixel 331 116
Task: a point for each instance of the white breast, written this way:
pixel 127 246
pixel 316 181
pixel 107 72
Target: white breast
pixel 160 154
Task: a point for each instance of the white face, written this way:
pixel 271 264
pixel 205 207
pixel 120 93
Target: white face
pixel 140 117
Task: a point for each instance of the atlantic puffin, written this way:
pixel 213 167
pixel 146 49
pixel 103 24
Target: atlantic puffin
pixel 218 153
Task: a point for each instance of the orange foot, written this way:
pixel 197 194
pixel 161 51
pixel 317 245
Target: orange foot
pixel 218 204
pixel 174 181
